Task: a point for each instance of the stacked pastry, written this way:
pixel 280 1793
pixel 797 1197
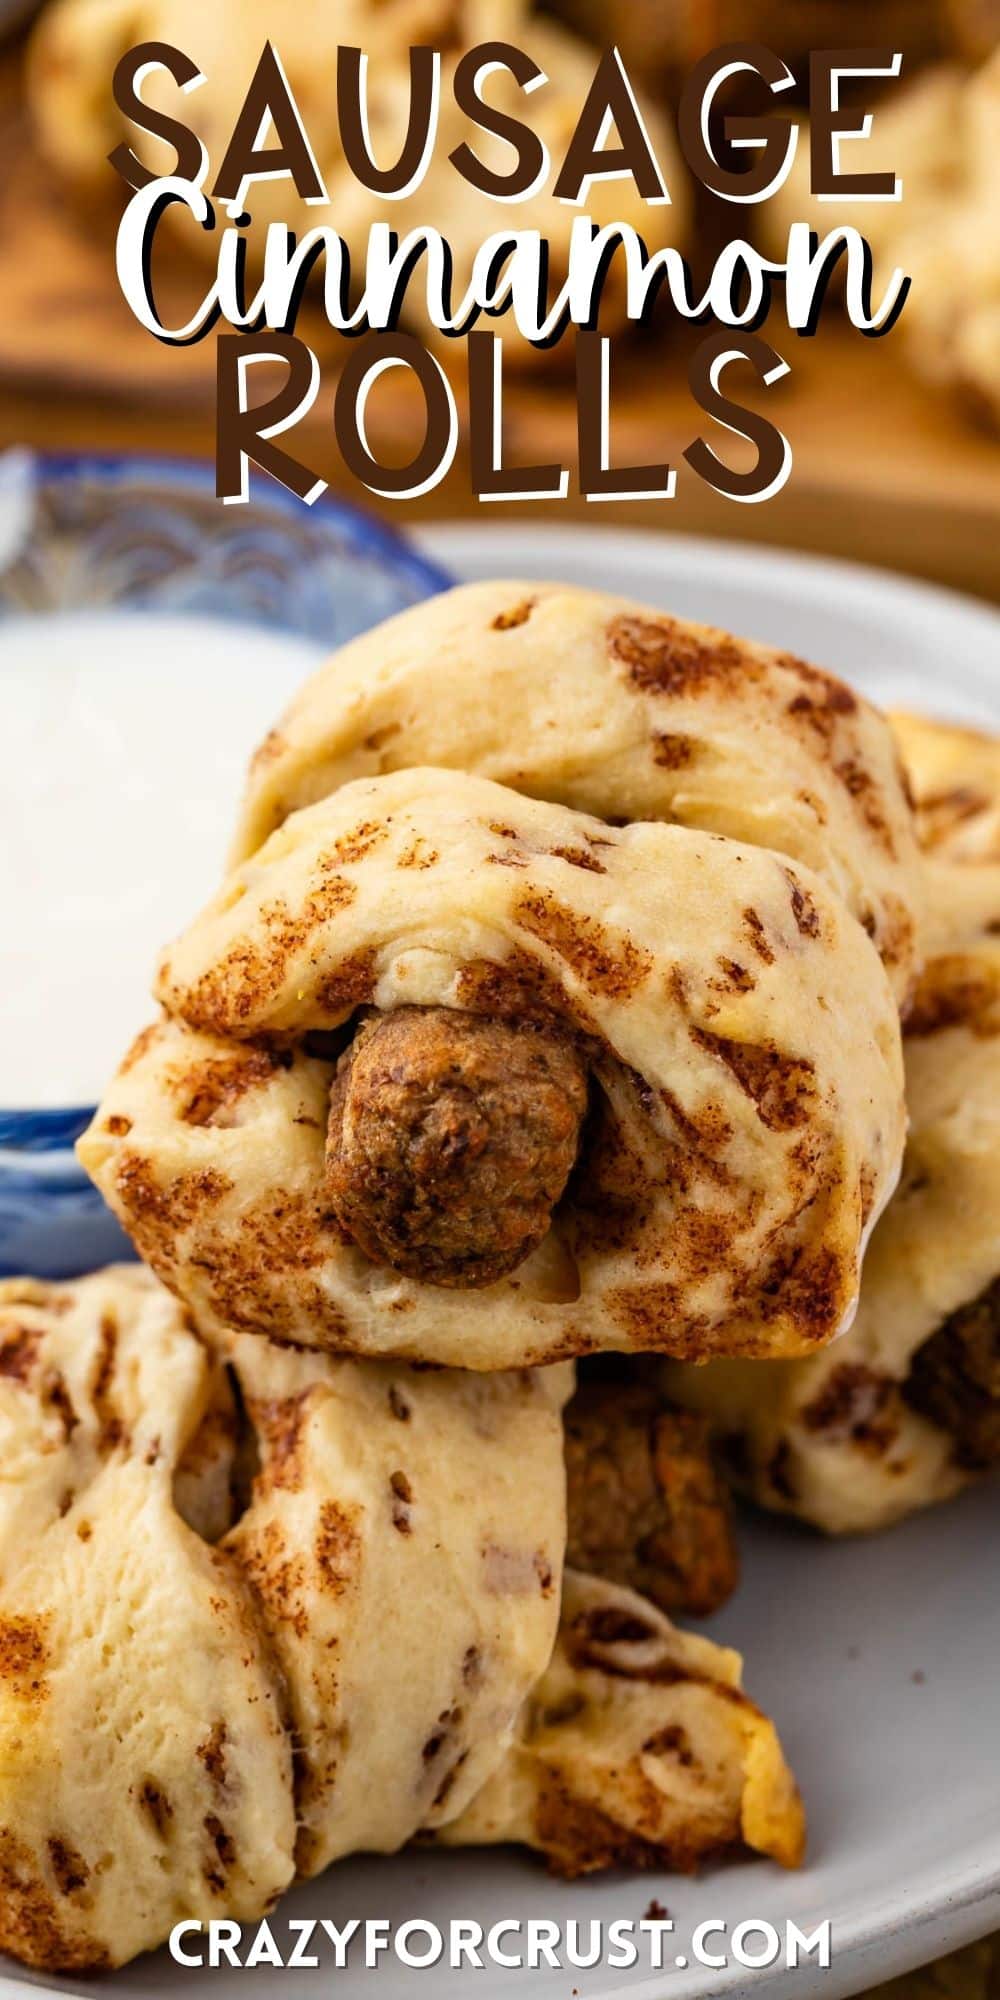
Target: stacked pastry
pixel 551 1009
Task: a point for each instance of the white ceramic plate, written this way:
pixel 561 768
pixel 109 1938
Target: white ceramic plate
pixel 878 1659
pixel 897 640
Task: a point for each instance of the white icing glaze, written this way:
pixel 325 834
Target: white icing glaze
pixel 125 737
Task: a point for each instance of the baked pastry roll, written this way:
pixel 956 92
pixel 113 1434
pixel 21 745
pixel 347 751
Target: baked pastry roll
pixel 70 61
pixel 647 1506
pixel 145 1766
pixel 905 1409
pixel 735 1034
pixel 637 1749
pixel 404 1540
pixel 601 704
pixel 952 254
pixel 244 1633
pixel 153 1683
pixel 954 775
pixel 68 92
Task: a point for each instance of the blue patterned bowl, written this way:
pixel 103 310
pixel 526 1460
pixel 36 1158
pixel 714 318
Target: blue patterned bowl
pixel 95 534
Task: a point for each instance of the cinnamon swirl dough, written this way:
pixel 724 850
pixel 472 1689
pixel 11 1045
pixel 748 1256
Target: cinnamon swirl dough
pixel 404 1540
pixel 954 775
pixel 638 1749
pixel 361 1562
pixel 745 1123
pixel 905 1409
pixel 385 1602
pixel 601 704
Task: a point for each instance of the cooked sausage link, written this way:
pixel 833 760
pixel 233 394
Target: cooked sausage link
pixel 451 1138
pixel 647 1506
pixel 955 1379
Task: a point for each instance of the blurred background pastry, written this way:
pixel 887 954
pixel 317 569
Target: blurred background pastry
pixel 78 42
pixel 661 39
pixel 745 1121
pixel 938 132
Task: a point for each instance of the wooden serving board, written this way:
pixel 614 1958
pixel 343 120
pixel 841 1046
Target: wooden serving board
pixel 973 1974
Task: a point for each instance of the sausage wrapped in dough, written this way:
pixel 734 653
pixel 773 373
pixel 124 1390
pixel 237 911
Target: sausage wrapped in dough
pixel 954 775
pixel 736 1029
pixel 647 1505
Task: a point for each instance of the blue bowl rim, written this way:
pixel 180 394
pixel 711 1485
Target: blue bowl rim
pixel 43 1132
pixel 28 1131
pixel 366 530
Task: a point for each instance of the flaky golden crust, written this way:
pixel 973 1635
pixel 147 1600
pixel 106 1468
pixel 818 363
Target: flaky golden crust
pixel 145 1768
pixel 451 1138
pixel 746 1124
pixel 609 707
pixel 646 1506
